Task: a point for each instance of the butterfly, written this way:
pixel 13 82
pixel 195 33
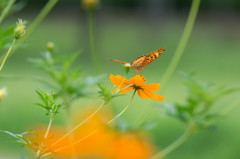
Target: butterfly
pixel 143 60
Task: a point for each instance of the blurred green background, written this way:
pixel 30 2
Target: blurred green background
pixel 126 29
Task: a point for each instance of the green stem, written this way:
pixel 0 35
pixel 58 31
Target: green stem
pixel 7 55
pixel 182 44
pixel 188 132
pixel 49 126
pixel 91 32
pixel 38 153
pixel 6 10
pixel 44 12
pixel 80 124
pixel 117 116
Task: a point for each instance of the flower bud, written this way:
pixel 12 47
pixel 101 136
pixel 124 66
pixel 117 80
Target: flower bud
pixel 19 30
pixel 90 5
pixel 50 47
pixel 127 68
pixel 3 93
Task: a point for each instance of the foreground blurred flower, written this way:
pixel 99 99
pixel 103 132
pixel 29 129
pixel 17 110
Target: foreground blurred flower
pixel 136 83
pixel 19 30
pixel 104 143
pixel 3 93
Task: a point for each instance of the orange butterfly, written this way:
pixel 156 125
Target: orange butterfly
pixel 143 60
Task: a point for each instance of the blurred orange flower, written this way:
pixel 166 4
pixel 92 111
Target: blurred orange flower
pixel 105 142
pixel 136 83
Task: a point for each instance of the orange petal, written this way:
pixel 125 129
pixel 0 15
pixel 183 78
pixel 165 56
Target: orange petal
pixel 154 96
pixel 138 80
pixel 152 87
pixel 117 80
pixel 126 90
pixel 142 94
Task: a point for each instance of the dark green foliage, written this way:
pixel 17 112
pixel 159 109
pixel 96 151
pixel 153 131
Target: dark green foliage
pixel 202 97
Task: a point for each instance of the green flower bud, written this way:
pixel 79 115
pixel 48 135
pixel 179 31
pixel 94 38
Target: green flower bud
pixel 19 30
pixel 50 47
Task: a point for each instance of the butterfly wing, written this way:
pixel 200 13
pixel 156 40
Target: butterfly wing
pixel 144 60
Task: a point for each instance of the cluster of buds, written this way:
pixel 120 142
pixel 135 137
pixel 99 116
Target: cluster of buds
pixel 19 30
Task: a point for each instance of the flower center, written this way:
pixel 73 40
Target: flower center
pixel 137 87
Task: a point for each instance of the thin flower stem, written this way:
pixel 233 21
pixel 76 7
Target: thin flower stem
pixel 44 12
pixel 38 153
pixel 188 132
pixel 6 10
pixel 182 44
pixel 49 126
pixel 109 122
pixel 92 37
pixel 80 124
pixel 7 55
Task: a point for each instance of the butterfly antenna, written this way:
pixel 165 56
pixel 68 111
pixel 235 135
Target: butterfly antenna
pixel 122 62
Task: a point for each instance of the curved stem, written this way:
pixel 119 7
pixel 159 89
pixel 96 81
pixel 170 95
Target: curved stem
pixel 6 10
pixel 182 44
pixel 38 153
pixel 91 32
pixel 117 116
pixel 80 124
pixel 7 55
pixel 44 12
pixel 188 132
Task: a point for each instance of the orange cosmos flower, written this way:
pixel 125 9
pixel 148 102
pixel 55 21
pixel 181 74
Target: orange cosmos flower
pixel 136 83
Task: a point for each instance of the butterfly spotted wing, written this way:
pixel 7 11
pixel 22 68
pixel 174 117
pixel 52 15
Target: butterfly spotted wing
pixel 144 60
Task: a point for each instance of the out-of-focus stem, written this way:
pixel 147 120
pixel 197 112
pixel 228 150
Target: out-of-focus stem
pixel 7 54
pixel 182 44
pixel 117 116
pixel 44 12
pixel 188 132
pixel 92 37
pixel 6 10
